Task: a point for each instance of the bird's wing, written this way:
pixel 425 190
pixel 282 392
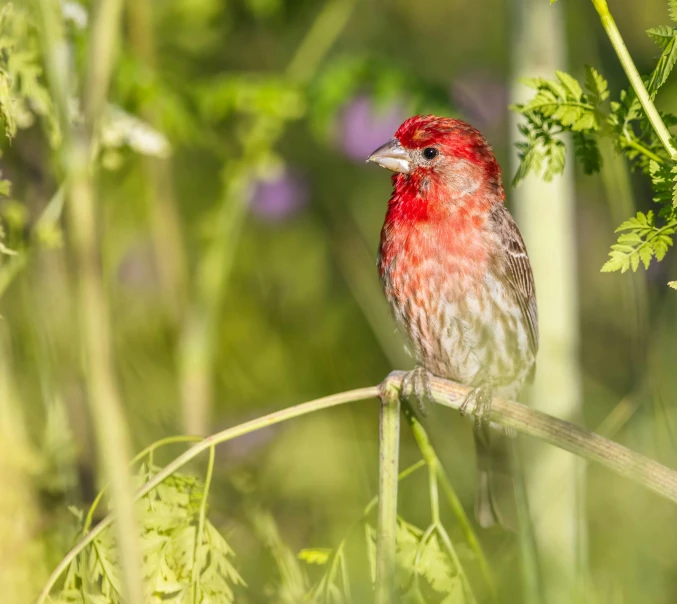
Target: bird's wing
pixel 517 269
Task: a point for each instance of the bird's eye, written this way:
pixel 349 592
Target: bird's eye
pixel 430 152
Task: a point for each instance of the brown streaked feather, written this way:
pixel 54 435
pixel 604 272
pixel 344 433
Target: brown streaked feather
pixel 517 269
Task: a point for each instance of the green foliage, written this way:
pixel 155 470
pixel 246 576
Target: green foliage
pixel 23 94
pixel 249 94
pixel 542 152
pixel 563 105
pixel 425 570
pixel 666 37
pixel 4 192
pixel 171 549
pixel 560 105
pixel 641 240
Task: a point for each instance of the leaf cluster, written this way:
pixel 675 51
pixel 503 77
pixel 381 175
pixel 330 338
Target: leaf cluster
pixel 640 241
pixel 426 573
pixel 177 563
pixel 562 105
pixel 425 570
pixel 23 94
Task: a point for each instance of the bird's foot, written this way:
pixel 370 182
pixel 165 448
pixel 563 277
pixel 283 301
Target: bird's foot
pixel 478 402
pixel 416 385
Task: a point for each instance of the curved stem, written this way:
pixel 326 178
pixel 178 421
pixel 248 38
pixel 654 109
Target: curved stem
pixel 351 396
pixel 633 75
pixel 593 447
pixel 637 146
pixel 562 434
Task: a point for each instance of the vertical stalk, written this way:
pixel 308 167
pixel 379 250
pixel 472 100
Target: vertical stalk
pixel 386 535
pixel 102 397
pixel 103 42
pixel 545 213
pixel 104 404
pixel 630 69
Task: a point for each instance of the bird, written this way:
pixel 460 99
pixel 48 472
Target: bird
pixel 457 276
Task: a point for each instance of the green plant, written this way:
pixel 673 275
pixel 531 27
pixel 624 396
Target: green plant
pixel 106 147
pixel 186 559
pixel 420 554
pixel 637 129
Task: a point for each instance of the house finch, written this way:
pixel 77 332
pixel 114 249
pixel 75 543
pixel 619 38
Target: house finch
pixel 457 276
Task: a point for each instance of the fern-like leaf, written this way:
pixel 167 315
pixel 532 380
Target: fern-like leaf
pixel 672 9
pixel 561 105
pixel 641 240
pixel 666 38
pixel 169 525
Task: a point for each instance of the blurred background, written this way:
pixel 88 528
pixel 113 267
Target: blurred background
pixel 237 229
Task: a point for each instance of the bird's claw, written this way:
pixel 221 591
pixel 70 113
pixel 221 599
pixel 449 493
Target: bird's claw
pixel 478 402
pixel 416 385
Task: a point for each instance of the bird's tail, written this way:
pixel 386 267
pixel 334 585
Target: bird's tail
pixel 495 502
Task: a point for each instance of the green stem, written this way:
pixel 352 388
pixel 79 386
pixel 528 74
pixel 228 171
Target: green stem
pixel 429 455
pixel 633 75
pixel 105 406
pixel 560 433
pixel 386 531
pixel 367 510
pixel 325 30
pixel 579 441
pixel 637 146
pixel 342 398
pixel 453 555
pixel 434 494
pixel 469 534
pixel 401 476
pixel 200 528
pixel 102 46
pixel 439 528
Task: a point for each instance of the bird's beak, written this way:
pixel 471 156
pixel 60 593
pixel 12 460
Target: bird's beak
pixel 392 156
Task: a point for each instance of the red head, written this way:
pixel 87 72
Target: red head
pixel 443 166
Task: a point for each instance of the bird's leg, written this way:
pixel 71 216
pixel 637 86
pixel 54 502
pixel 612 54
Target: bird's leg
pixel 416 384
pixel 478 402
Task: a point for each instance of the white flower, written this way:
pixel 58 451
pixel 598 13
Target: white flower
pixel 119 128
pixel 75 13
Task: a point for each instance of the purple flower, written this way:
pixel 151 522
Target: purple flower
pixel 137 270
pixel 363 126
pixel 482 98
pixel 280 197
